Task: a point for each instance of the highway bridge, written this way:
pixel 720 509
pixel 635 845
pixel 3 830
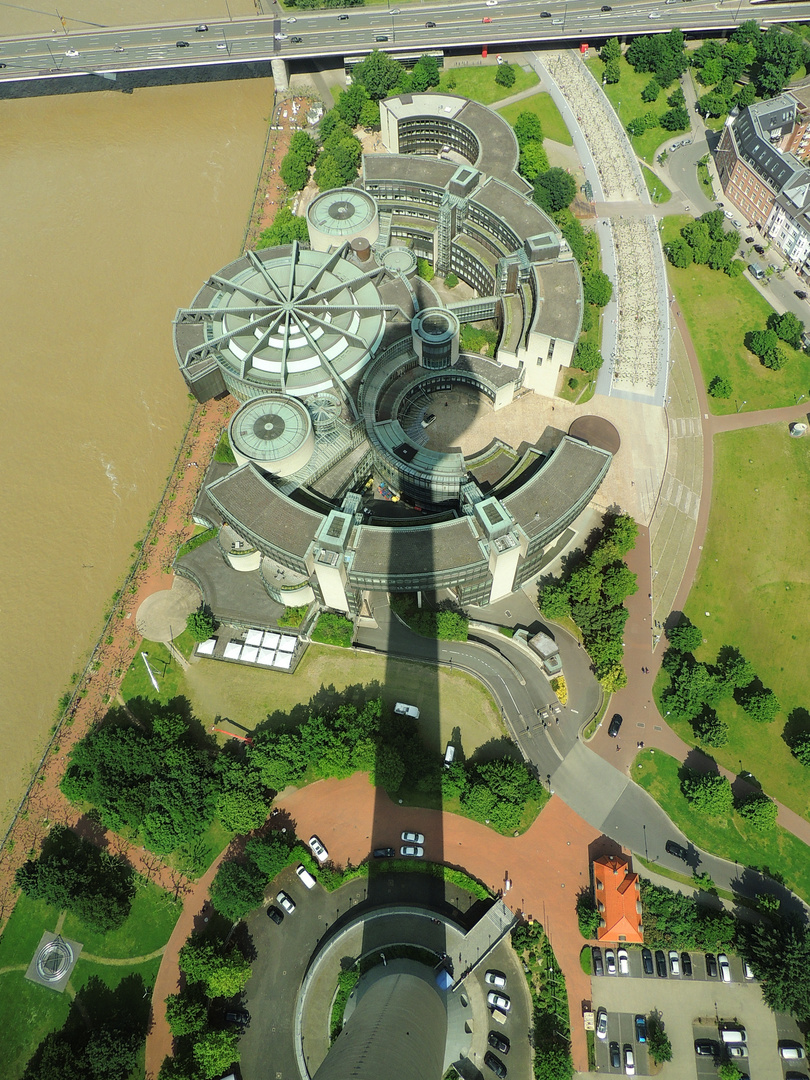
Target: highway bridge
pixel 291 35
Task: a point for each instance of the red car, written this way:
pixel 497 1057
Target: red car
pixel 486 18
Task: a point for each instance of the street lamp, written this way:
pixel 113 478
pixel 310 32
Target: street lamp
pixel 799 398
pixel 740 406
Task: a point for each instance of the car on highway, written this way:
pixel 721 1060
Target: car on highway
pixel 606 7
pixel 610 961
pixel 274 914
pixel 677 850
pixel 71 52
pixel 686 964
pixel 224 44
pixel 492 3
pixel 674 963
pixel 615 724
pixel 601 1023
pixel 286 902
pixel 498 1042
pixel 629 1060
pixel 295 40
pixel 411 851
pixel 615 1056
pixel 181 44
pixel 725 969
pixel 280 36
pixel 647 961
pixel 499 1001
pixel 654 15
pixel 711 966
pixel 660 964
pixel 201 28
pixel 342 18
pixel 317 849
pixel 412 838
pixel 384 852
pixel 598 967
pixel 495 1064
pixel 707 1048
pixel 486 18
pixel 557 22
pixel 641 1029
pixel 495 978
pixel 430 25
pixel 545 14
pixel 624 962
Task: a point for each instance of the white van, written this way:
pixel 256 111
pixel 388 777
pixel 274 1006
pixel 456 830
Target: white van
pixel 732 1033
pixel 305 876
pixel 449 754
pixel 406 710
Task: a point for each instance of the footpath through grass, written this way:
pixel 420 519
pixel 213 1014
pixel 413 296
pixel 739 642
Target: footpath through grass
pixel 478 83
pixel 719 312
pixel 730 837
pixel 753 581
pixel 542 106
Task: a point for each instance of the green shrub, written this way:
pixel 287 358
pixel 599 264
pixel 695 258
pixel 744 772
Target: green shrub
pixel 293 616
pixel 223 452
pixel 332 629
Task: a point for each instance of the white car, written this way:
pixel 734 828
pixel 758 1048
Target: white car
pixel 412 851
pixel 652 15
pixel 286 902
pixel 280 36
pixel 748 971
pixel 674 963
pixel 71 52
pixel 736 224
pixel 292 19
pixel 499 1001
pixel 610 961
pixel 494 978
pixel 624 962
pixel 492 3
pixel 601 1024
pixel 629 1061
pixel 725 970
pixel 318 850
pixel 412 838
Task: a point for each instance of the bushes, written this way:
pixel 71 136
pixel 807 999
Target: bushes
pixel 587 915
pixel 200 624
pixel 672 920
pixel 446 625
pixel 332 629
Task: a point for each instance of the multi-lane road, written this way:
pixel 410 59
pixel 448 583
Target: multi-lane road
pixel 411 27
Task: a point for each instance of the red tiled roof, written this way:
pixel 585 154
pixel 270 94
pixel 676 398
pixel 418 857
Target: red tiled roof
pixel 618 898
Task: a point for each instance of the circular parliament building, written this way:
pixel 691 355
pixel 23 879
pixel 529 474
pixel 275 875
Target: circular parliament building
pixel 362 385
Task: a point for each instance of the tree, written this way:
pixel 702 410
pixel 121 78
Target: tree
pixel 587 915
pixel 775 360
pixel 787 327
pixel 611 50
pixel 200 624
pixel 659 1046
pixel 675 119
pixel 679 253
pixel 304 146
pixel 554 189
pixel 779 951
pixel 709 793
pixel 677 98
pixel 389 769
pixel 286 228
pixel 237 889
pixel 187 1013
pixel 735 671
pixel 685 637
pixel 505 75
pixel 712 104
pixel 222 975
pixel 745 96
pixel 533 160
pixel 587 356
pixel 555 602
pixel 216 1051
pixel 720 387
pixel 328 173
pixel 800 748
pixel 598 288
pixel 711 72
pixel 612 73
pixel 759 811
pixel 759 703
pixel 425 73
pixel 728 1071
pixel 651 91
pixel 710 729
pixel 735 268
pixel 553 1063
pixel 636 127
pixel 370 115
pixel 294 171
pixel 699 239
pixel 379 73
pixel 350 103
pixel 424 269
pixel 451 280
pixel 270 853
pixel 528 128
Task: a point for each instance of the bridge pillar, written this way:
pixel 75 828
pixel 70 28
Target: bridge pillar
pixel 281 73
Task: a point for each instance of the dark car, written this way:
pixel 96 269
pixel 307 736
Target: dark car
pixel 238 1016
pixel 749 239
pixel 342 18
pixel 598 968
pixel 545 14
pixel 201 28
pixel 686 964
pixel 495 1064
pixel 498 1042
pixel 430 25
pixel 274 914
pixel 384 853
pixel 615 1058
pixel 647 961
pixel 802 295
pixel 181 44
pixel 641 1029
pixel 676 849
pixel 707 1048
pixel 615 724
pixel 711 966
pixel 759 249
pixel 296 40
pixel 606 7
pixel 660 964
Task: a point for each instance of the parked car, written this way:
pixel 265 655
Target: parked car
pixel 629 1060
pixel 660 964
pixel 615 724
pixel 674 963
pixel 615 1056
pixel 499 1001
pixel 749 239
pixel 318 850
pixel 624 962
pixel 412 838
pixel 802 295
pixel 748 971
pixel 601 1024
pixel 495 1064
pixel 411 851
pixel 598 967
pixel 790 1050
pixel 238 1016
pixel 641 1029
pixel 711 966
pixel 707 1048
pixel 286 902
pixel 498 1042
pixel 686 964
pixel 738 1050
pixel 305 877
pixel 759 249
pixel 737 224
pixel 274 914
pixel 610 961
pixel 647 961
pixel 725 969
pixel 495 978
pixel 677 850
pixel 384 852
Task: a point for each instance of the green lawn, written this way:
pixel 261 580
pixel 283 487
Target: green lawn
pixel 541 105
pixel 657 188
pixel 478 83
pixel 718 329
pixel 731 838
pixel 166 669
pixel 148 927
pixel 625 97
pixel 755 585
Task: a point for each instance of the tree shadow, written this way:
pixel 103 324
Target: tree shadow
pixel 603 846
pixel 697 761
pixel 797 726
pixel 90 827
pixel 502 747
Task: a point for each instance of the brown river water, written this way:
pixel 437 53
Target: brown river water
pixel 114 208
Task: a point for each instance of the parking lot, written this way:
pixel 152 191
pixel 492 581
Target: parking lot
pixel 691 1008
